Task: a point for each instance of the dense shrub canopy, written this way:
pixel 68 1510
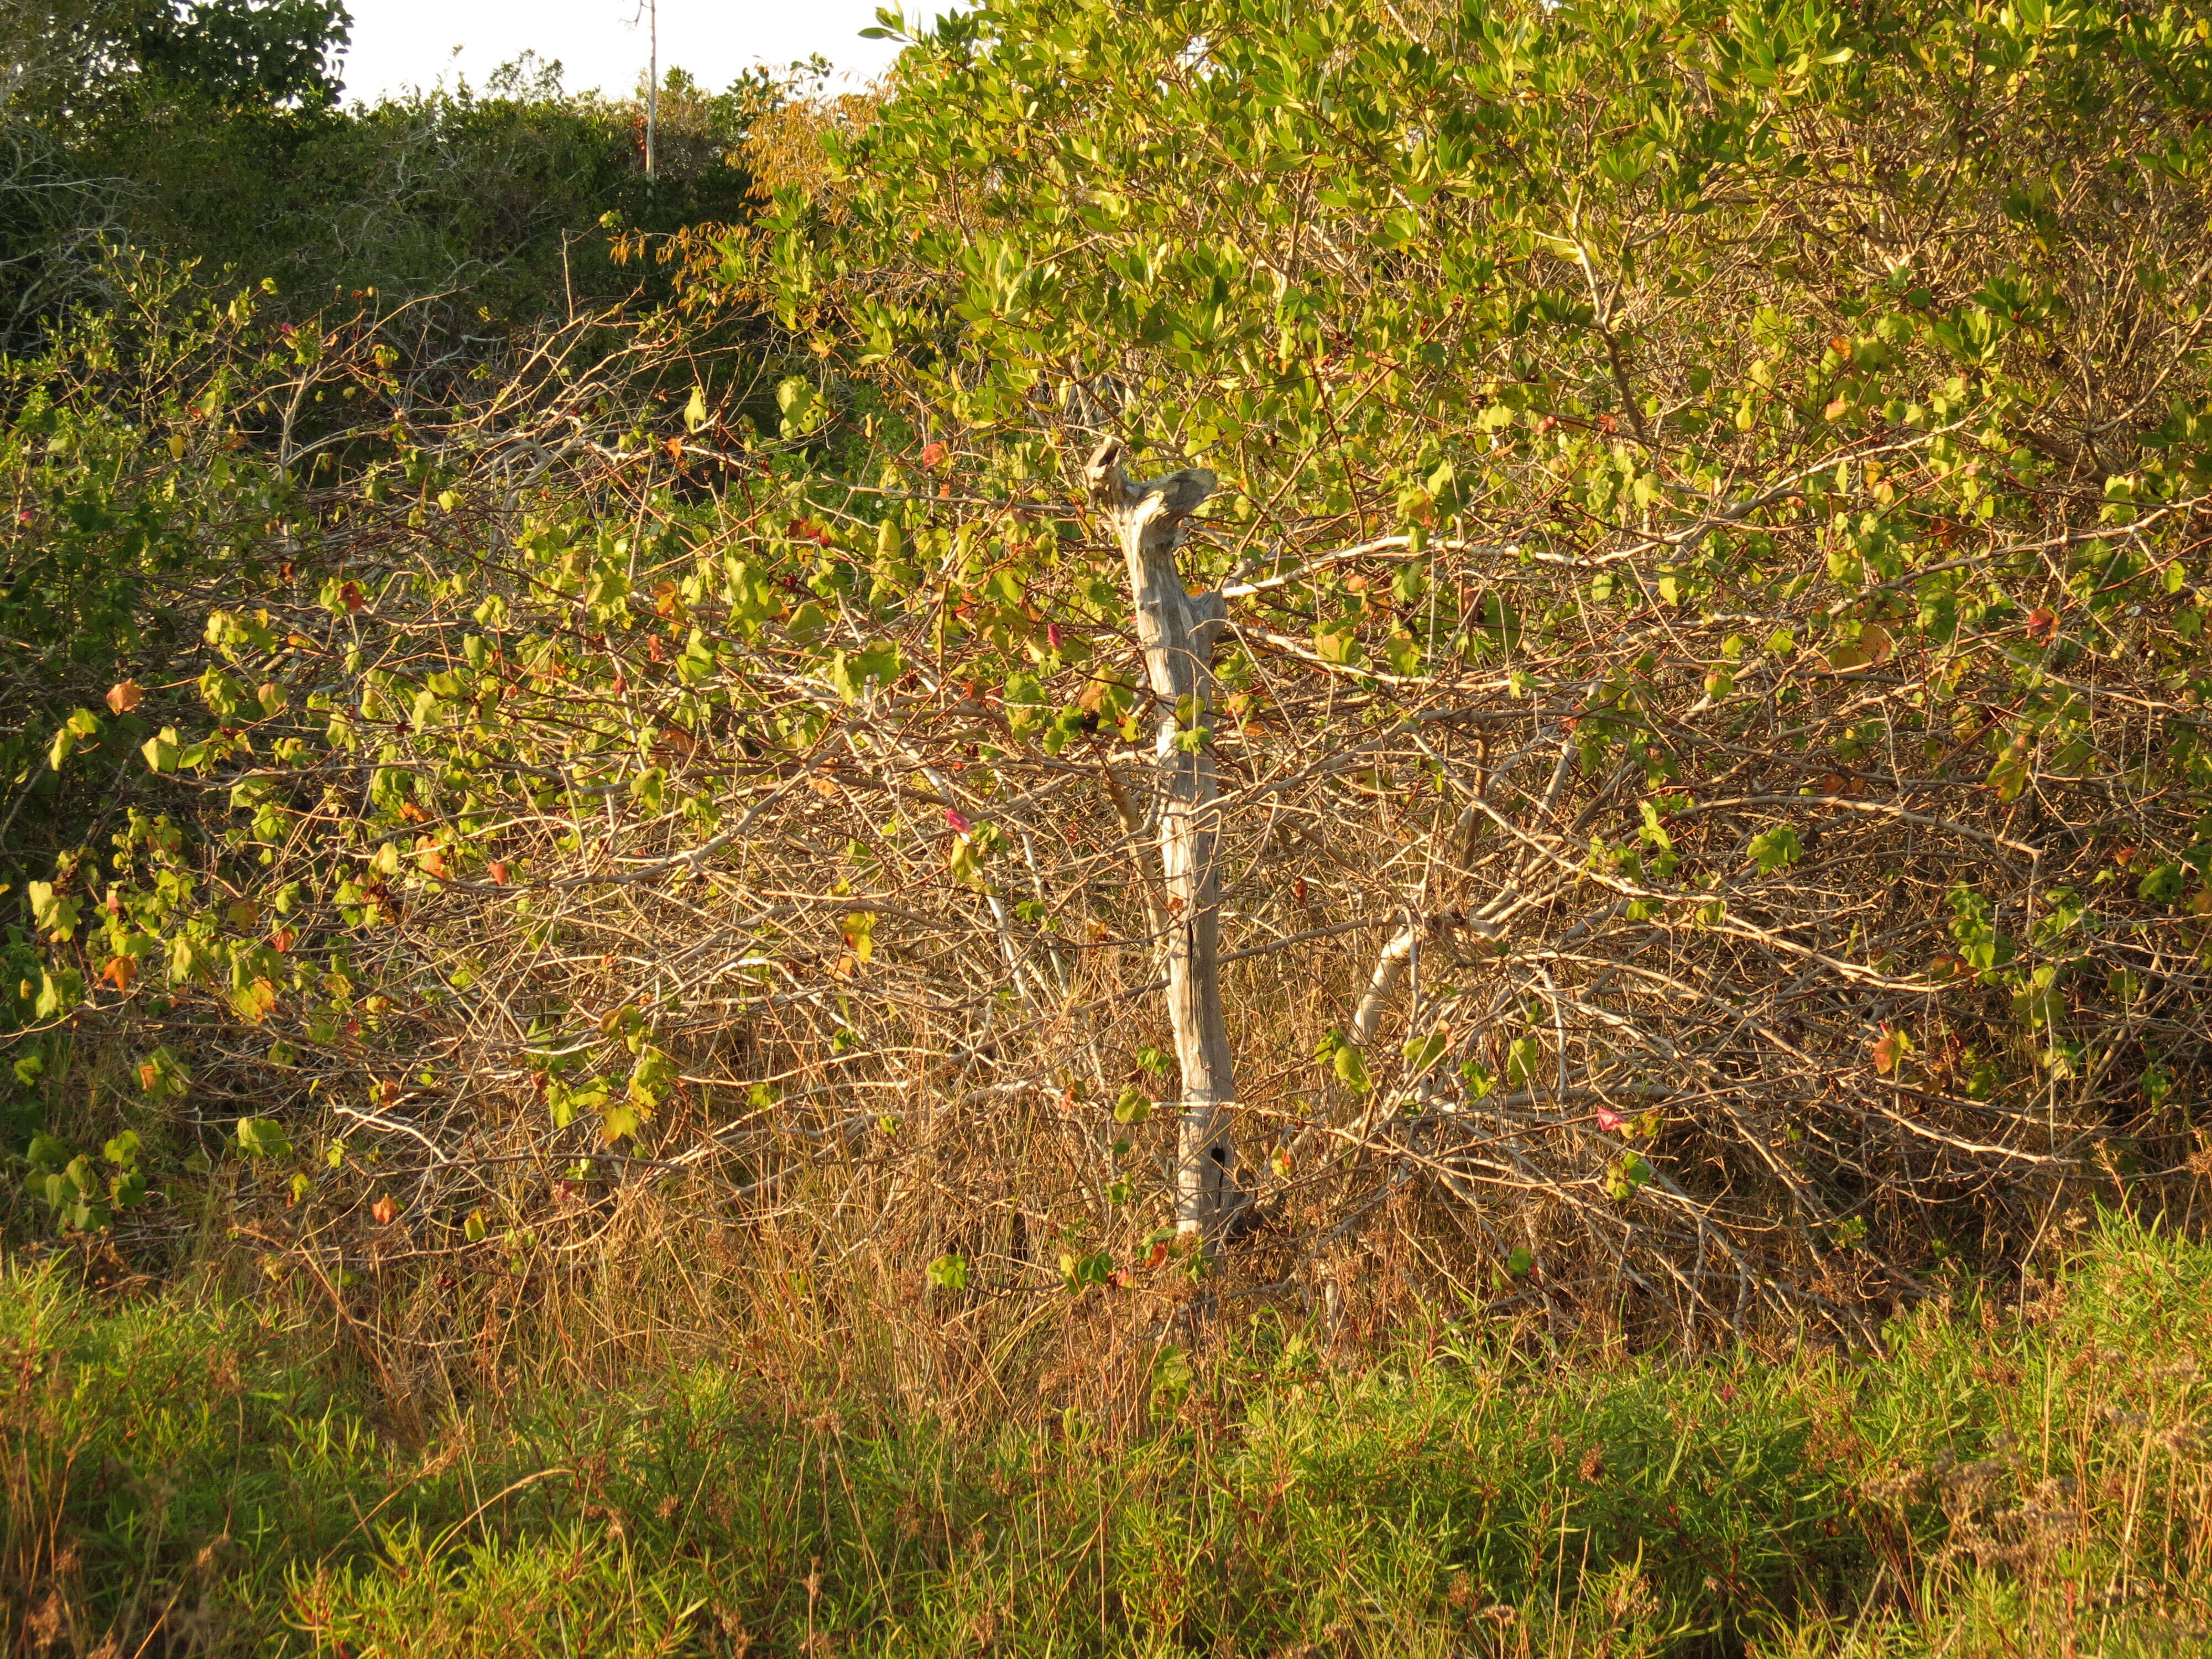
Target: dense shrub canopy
pixel 1708 504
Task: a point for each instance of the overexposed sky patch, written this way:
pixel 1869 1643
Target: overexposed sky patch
pixel 397 44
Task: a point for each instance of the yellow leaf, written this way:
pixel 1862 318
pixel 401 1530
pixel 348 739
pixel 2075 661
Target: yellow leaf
pixel 860 933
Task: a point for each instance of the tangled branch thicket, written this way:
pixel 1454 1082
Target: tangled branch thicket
pixel 1710 773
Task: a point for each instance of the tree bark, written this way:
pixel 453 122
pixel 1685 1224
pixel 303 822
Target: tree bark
pixel 1177 632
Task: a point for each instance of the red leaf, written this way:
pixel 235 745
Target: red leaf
pixel 961 826
pixel 1608 1120
pixel 934 454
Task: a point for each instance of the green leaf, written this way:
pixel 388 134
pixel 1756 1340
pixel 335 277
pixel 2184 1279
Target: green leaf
pixel 54 912
pixel 1424 1052
pixel 651 1081
pixel 2162 885
pixel 261 1137
pixel 566 1104
pixel 1350 1067
pixel 59 991
pixel 162 750
pixel 1080 1271
pixel 1623 1175
pixel 948 1272
pixel 1524 1058
pixel 1775 848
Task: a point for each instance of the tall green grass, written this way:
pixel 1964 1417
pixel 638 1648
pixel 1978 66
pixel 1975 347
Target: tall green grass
pixel 2026 1477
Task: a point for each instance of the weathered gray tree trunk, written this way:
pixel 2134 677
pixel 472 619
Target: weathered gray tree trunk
pixel 1177 632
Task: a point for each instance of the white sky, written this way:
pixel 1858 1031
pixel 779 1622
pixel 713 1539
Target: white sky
pixel 401 43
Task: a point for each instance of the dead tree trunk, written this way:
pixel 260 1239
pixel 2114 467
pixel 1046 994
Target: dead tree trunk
pixel 1177 632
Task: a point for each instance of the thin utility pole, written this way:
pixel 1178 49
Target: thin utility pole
pixel 650 11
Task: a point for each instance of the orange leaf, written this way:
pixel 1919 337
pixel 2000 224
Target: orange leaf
pixel 121 971
pixel 1887 1051
pixel 499 871
pixel 410 813
pixel 125 696
pixel 385 1210
pixel 933 454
